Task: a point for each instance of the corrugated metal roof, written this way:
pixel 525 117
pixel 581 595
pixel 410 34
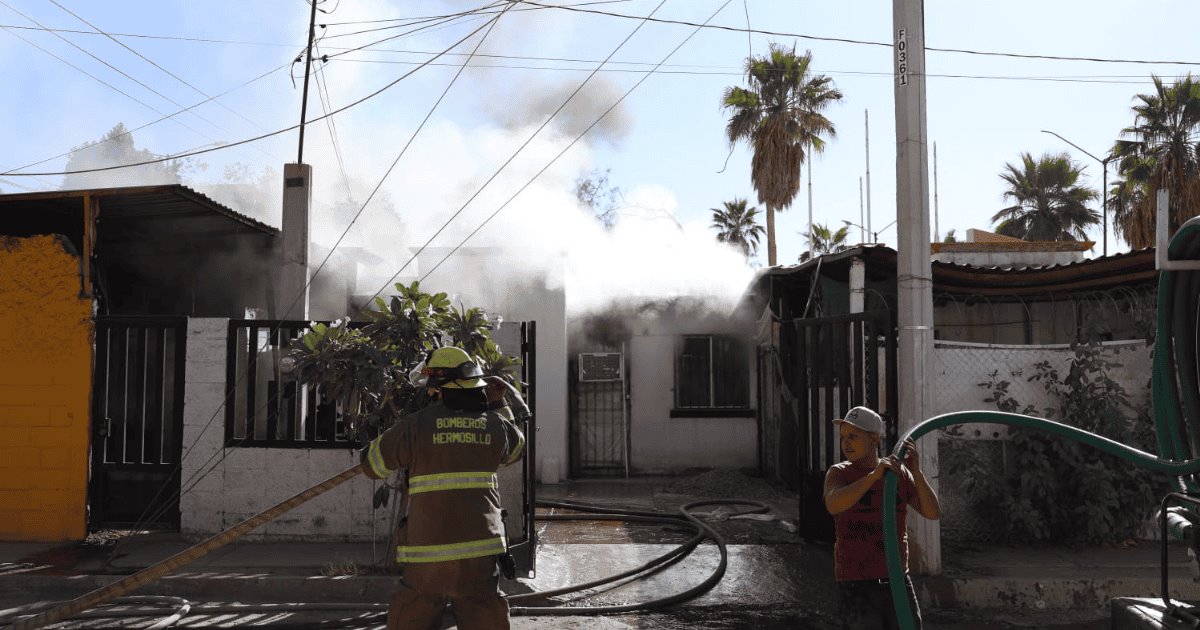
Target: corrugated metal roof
pixel 137 203
pixel 1125 269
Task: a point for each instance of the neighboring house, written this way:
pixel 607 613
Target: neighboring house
pixel 661 388
pixel 87 375
pixel 827 339
pixel 121 313
pixel 981 248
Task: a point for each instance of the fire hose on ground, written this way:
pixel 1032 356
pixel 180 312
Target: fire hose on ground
pixel 53 613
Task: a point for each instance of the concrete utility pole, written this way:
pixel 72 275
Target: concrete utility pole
pixel 292 297
pixel 913 275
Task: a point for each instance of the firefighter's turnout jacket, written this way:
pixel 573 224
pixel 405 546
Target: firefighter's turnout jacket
pixel 451 458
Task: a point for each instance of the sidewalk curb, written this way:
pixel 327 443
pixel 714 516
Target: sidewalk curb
pixel 1053 593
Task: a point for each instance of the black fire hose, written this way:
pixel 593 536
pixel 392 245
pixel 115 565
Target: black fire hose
pixel 684 516
pixel 587 512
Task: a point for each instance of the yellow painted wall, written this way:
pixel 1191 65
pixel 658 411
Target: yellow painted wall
pixel 46 334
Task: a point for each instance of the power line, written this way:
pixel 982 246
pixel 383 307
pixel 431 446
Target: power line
pixel 864 42
pixel 1139 79
pixel 261 136
pixel 197 477
pixel 151 62
pixel 326 104
pixel 573 142
pixel 158 120
pixel 621 15
pixel 126 75
pixel 482 12
pixel 514 155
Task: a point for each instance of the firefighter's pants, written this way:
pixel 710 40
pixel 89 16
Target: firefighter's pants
pixel 469 586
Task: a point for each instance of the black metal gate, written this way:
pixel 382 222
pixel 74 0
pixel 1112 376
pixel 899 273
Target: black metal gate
pixel 599 418
pixel 828 365
pixel 524 547
pixel 137 422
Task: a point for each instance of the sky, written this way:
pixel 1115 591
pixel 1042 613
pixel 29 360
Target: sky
pixel 662 144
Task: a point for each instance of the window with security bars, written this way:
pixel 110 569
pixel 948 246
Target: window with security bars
pixel 712 372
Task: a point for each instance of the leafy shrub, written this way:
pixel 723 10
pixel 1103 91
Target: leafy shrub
pixel 365 367
pixel 1058 489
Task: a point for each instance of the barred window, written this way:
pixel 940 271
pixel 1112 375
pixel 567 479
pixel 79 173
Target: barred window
pixel 712 372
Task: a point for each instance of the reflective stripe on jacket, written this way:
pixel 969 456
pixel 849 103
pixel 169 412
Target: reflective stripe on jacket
pixel 451 458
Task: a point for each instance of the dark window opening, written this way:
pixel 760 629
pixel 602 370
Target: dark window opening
pixel 712 372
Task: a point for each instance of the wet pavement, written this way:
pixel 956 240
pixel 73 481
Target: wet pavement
pixel 774 579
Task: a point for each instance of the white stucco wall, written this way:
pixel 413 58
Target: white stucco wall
pixel 1008 259
pixel 232 484
pixel 660 443
pixel 961 367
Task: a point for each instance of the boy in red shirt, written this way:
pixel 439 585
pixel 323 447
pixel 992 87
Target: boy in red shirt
pixel 854 496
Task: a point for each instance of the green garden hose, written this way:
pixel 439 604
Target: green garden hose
pixel 891 541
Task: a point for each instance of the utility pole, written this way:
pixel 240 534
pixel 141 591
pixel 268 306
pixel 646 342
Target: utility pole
pixel 867 132
pixel 312 32
pixel 811 253
pixel 862 231
pixel 937 236
pixel 914 281
pixel 292 288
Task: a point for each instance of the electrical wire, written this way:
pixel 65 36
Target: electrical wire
pixel 327 104
pixel 131 78
pixel 428 17
pixel 496 173
pixel 201 472
pixel 158 120
pixel 862 41
pixel 573 142
pixel 151 62
pixel 258 137
pixel 1098 79
pixel 1093 59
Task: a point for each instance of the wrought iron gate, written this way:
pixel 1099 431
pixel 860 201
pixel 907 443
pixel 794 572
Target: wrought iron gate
pixel 137 421
pixel 599 427
pixel 823 367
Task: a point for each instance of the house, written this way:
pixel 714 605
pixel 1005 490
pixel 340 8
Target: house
pixel 828 330
pixel 661 387
pixel 80 272
pixel 127 346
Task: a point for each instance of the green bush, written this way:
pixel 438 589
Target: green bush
pixel 365 367
pixel 1057 489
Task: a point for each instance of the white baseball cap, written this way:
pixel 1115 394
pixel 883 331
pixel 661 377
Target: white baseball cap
pixel 863 418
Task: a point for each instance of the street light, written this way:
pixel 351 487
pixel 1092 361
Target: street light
pixel 1103 165
pixel 874 234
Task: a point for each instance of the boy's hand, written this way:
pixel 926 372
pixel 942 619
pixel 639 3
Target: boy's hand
pixel 911 459
pixel 885 463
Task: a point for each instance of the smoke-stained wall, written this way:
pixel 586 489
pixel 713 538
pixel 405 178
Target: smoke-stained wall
pixel 46 332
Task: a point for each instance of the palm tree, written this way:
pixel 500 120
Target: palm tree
pixel 779 115
pixel 1049 202
pixel 825 241
pixel 738 224
pixel 1160 151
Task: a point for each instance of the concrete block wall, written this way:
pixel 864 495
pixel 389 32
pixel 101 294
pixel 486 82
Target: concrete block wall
pixel 229 484
pixel 46 332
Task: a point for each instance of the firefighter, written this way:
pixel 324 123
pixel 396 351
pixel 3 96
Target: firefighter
pixel 453 538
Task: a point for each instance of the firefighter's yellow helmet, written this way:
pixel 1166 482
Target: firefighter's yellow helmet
pixel 452 368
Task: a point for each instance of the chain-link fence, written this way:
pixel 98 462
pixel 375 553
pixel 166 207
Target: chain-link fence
pixel 962 375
